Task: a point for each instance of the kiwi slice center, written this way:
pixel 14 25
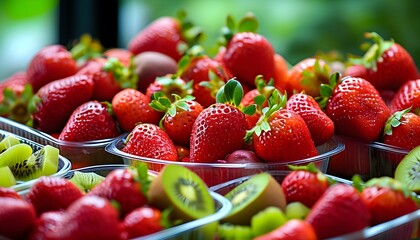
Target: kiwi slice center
pixel 408 170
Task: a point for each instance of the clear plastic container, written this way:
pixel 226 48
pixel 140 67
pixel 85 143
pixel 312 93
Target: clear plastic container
pixel 215 173
pixel 404 227
pixel 202 228
pixel 64 164
pixel 369 160
pixel 81 154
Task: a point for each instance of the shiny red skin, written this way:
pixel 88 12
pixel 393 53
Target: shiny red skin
pixel 162 35
pixel 218 130
pixel 304 187
pixel 17 218
pixel 248 55
pixel 9 192
pixel 50 63
pixel 120 185
pixel 285 141
pixel 406 135
pixel 123 55
pixel 386 204
pixel 340 210
pixel 293 229
pixel 319 124
pixel 150 141
pixel 90 121
pixel 142 221
pixel 58 101
pixel 47 226
pixel 357 109
pixel 52 194
pixel 131 107
pixel 408 95
pixel 16 82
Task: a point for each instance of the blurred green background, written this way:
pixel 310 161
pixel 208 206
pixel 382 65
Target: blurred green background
pixel 296 28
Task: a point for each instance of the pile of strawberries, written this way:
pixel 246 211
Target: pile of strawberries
pixel 180 104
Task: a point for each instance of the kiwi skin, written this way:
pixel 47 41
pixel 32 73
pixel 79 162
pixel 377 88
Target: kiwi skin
pixel 408 170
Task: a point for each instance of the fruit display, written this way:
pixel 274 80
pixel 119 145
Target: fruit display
pixel 113 202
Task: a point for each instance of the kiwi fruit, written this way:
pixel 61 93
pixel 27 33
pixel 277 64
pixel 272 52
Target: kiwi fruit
pixel 408 170
pixel 228 231
pixel 8 142
pixel 86 180
pixel 27 165
pixel 267 220
pixel 183 191
pixel 7 179
pixel 252 196
pixel 296 210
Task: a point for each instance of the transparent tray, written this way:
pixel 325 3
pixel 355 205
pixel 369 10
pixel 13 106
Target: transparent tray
pixel 64 164
pixel 81 154
pixel 215 173
pixel 404 227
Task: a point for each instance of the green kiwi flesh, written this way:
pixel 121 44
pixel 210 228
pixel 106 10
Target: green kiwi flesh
pixel 408 170
pixel 8 142
pixel 7 178
pixel 228 231
pixel 86 181
pixel 267 220
pixel 252 196
pixel 15 154
pixel 183 191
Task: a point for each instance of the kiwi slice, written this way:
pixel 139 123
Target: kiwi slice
pixel 267 220
pixel 408 170
pixel 7 178
pixel 15 154
pixel 296 210
pixel 228 231
pixel 183 191
pixel 86 181
pixel 8 142
pixel 252 196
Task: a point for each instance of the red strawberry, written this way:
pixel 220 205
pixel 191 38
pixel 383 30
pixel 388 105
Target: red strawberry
pixel 55 102
pixel 292 230
pixel 319 124
pixel 15 82
pixel 307 76
pixel 407 96
pixel 388 65
pixel 17 218
pixel 402 130
pixel 356 108
pixel 50 63
pixel 219 129
pixel 123 55
pixel 123 186
pixel 150 141
pixel 281 72
pixel 47 226
pixel 142 221
pixel 131 107
pixel 91 217
pixel 169 84
pixel 90 121
pixel 164 35
pixel 387 199
pixel 52 193
pixel 340 210
pixel 9 192
pixel 304 184
pixel 280 134
pixel 179 117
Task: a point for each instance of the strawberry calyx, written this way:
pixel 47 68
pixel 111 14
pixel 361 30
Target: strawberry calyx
pixel 165 218
pixel 310 167
pixel 214 83
pixel 192 53
pixel 87 48
pixel 326 90
pixel 173 84
pixel 374 51
pixel 248 23
pixel 382 182
pixel 232 93
pixel 141 175
pixel 318 74
pixel 15 105
pixel 394 121
pixel 191 34
pixel 276 102
pixel 125 76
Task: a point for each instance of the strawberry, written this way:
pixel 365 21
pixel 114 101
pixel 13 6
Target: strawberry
pixel 53 104
pixel 126 186
pixel 131 107
pixel 123 55
pixel 90 217
pixel 305 184
pixel 90 121
pixel 109 76
pixel 294 229
pixel 149 141
pixel 281 72
pixel 143 221
pixel 9 192
pixel 387 64
pixel 407 96
pixel 280 133
pixel 355 107
pixel 52 193
pixel 17 218
pixel 338 211
pixel 15 82
pixel 166 35
pixel 179 117
pixel 220 128
pixel 387 199
pixel 169 85
pixel 319 124
pixel 47 226
pixel 50 63
pixel 402 130
pixel 307 76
